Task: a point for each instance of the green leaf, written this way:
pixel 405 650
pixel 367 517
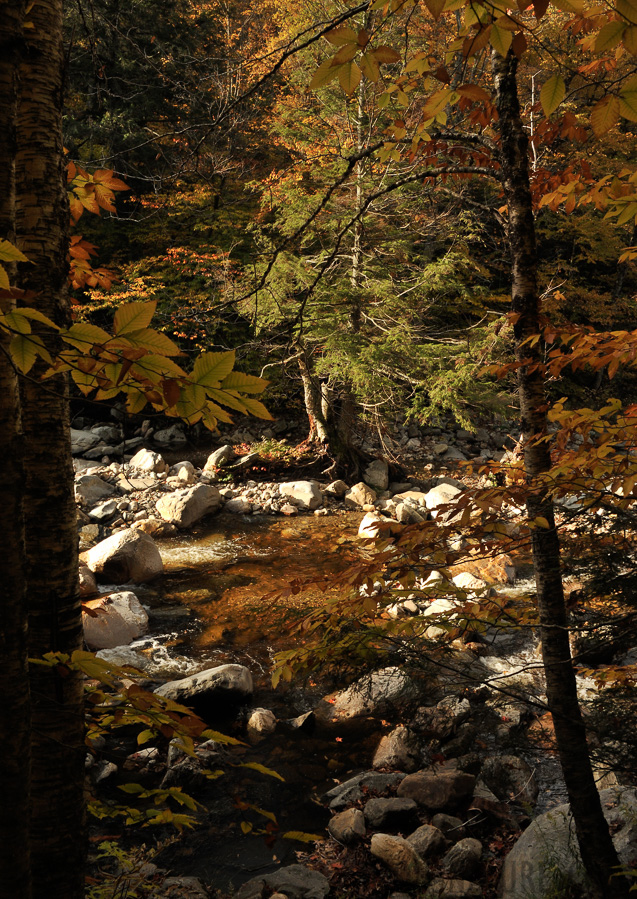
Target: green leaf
pixel 552 94
pixel 159 365
pixel 9 253
pixel 144 736
pixel 13 321
pixel 349 77
pixel 325 73
pixel 82 336
pixel 22 352
pixel 237 380
pixel 210 369
pixel 221 738
pixel 131 788
pixel 148 338
pixel 628 105
pixel 609 36
pixel 255 766
pixel 500 39
pixel 256 408
pixel 227 399
pixel 133 317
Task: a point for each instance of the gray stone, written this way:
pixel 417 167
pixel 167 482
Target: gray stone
pixel 304 494
pixel 407 514
pixel 228 684
pixel 449 825
pixel 125 656
pixel 133 485
pixel 83 440
pixel 295 882
pixel 220 457
pixel 437 791
pixel 146 460
pixel 337 489
pixel 377 474
pixel 453 889
pixel 400 857
pixel 463 859
pixel 360 785
pixel 511 779
pixel 185 507
pixel 185 471
pixel 427 840
pixel 390 814
pixel 90 489
pixel 348 826
pixel 373 694
pixel 454 455
pixel 104 510
pixel 412 498
pixel 129 555
pixel 546 858
pixel 441 495
pixel 398 749
pixel 114 620
pixel 360 495
pixel 107 433
pixel 238 506
pixel 172 436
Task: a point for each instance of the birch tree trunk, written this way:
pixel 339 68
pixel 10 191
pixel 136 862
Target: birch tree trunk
pixel 57 772
pixel 597 850
pixel 14 682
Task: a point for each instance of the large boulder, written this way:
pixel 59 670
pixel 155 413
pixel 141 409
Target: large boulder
pixel 295 882
pixel 437 791
pixel 546 860
pixel 89 489
pixel 374 694
pixel 83 440
pixel 348 826
pixel 185 507
pixel 114 620
pixel 304 494
pixel 377 474
pixel 213 690
pixel 441 495
pixel 374 525
pixel 146 460
pixel 360 495
pixel 128 555
pixel 398 749
pixel 220 457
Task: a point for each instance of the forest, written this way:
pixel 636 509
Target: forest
pixel 318 444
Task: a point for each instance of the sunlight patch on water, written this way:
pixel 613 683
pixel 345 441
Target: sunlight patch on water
pixel 188 550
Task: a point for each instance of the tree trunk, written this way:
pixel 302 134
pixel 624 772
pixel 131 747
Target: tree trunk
pixel 14 682
pixel 596 846
pixel 57 804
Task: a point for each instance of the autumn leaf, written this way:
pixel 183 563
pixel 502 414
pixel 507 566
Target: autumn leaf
pixel 552 94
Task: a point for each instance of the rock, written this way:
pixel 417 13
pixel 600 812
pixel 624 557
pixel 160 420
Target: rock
pixel 238 506
pixel 407 514
pixel 390 814
pixel 360 495
pixel 154 527
pixel 304 494
pixel 261 723
pixel 437 791
pixel 146 460
pixel 89 535
pixel 374 525
pixel 185 471
pixel 427 840
pixel 219 458
pixel 182 888
pixel 87 581
pixel 129 555
pixel 134 485
pixel 115 620
pixel 295 882
pixel 348 826
pixel 288 509
pixel 89 489
pixel 441 495
pixel 511 779
pixel 184 507
pixel 107 433
pixel 83 440
pixel 453 889
pixel 373 694
pixel 125 656
pixel 377 475
pixel 398 749
pixel 469 582
pixel 494 570
pixel 104 510
pixel 400 857
pixel 337 489
pixel 453 455
pixel 463 859
pixel 450 826
pixel 546 862
pixel 442 720
pixel 172 436
pixel 361 785
pixel 414 498
pixel 215 689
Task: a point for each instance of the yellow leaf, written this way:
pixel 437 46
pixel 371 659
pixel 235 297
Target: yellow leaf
pixel 302 836
pixel 9 253
pixel 323 75
pixel 386 55
pixel 630 40
pixel 133 317
pixel 341 36
pixel 349 77
pixel 541 522
pixel 237 380
pixel 609 36
pixel 345 54
pixel 4 279
pixel 13 321
pixel 369 67
pixel 256 408
pixel 246 827
pixel 604 115
pixel 436 103
pixel 154 340
pixel 628 105
pixel 255 766
pixel 22 352
pixel 552 94
pixel 210 369
pixel 500 39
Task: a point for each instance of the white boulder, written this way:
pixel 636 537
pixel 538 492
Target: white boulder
pixel 304 494
pixel 185 507
pixel 128 555
pixel 114 620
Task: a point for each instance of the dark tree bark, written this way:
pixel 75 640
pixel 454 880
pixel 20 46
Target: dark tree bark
pixel 42 220
pixel 596 846
pixel 14 683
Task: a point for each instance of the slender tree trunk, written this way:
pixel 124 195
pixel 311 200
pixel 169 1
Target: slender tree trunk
pixel 596 846
pixel 57 805
pixel 15 715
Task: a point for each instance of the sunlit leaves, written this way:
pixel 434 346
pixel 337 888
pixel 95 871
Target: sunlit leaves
pixel 605 115
pixel 552 94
